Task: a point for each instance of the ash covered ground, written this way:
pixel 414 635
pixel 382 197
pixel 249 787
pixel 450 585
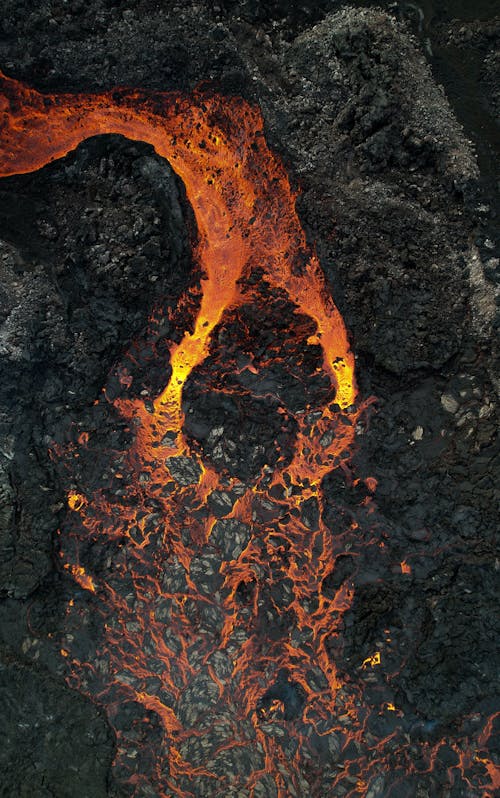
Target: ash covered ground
pixel 399 203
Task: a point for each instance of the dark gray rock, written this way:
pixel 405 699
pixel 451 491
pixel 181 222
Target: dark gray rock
pixel 231 536
pixel 54 742
pixel 184 470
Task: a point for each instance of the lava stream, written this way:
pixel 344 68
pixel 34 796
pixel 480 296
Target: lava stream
pixel 218 624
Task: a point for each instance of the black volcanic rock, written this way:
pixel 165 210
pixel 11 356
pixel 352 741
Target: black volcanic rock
pixel 51 736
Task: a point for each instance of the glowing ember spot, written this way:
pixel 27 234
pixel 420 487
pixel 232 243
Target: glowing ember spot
pixel 374 659
pixel 81 576
pixel 371 484
pixel 76 501
pixel 405 567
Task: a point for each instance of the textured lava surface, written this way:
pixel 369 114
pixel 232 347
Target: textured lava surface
pixel 267 589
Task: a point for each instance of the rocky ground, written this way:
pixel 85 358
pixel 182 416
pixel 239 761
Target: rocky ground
pixel 399 202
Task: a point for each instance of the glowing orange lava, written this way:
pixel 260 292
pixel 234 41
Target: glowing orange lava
pixel 246 702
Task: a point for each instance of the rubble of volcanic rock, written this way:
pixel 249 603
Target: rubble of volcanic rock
pixel 91 247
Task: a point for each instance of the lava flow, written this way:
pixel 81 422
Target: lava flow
pixel 221 618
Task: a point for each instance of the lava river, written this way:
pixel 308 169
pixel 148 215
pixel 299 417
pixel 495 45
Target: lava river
pixel 220 617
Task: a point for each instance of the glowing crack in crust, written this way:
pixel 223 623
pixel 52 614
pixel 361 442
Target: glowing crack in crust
pixel 241 711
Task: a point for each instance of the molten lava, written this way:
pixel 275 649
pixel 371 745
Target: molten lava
pixel 219 624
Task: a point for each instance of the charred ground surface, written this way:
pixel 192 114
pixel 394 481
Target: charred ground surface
pixel 404 222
